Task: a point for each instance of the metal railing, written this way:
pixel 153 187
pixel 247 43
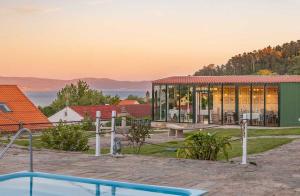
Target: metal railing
pixel 18 134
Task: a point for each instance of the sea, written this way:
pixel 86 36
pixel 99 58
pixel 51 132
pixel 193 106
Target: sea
pixel 46 98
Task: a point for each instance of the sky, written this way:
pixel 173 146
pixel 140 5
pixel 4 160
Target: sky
pixel 136 39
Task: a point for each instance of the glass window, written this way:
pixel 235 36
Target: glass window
pixel 186 103
pixel 257 105
pixel 4 108
pixel 244 102
pixel 272 106
pixel 229 116
pixel 215 104
pixel 159 103
pixel 173 103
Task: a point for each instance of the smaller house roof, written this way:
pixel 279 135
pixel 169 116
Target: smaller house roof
pixel 135 110
pixel 139 110
pixel 90 111
pixel 128 102
pixel 228 79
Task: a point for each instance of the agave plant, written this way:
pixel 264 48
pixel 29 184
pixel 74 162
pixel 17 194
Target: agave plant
pixel 204 146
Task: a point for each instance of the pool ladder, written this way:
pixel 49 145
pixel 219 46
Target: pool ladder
pixel 18 134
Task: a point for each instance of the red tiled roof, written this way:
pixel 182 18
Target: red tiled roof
pixel 138 110
pixel 135 110
pixel 128 102
pixel 228 79
pixel 22 108
pixel 90 111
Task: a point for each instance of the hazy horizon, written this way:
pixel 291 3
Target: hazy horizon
pixel 135 40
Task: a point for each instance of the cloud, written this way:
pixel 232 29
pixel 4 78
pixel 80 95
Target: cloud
pixel 32 9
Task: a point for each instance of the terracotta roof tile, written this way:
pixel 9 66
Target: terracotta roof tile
pixel 228 79
pixel 90 111
pixel 135 110
pixel 22 108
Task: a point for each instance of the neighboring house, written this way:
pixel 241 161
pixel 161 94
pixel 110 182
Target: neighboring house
pixel 128 102
pixel 16 108
pixel 78 113
pixel 66 115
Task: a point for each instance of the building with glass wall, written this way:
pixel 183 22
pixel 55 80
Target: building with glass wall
pixel 262 100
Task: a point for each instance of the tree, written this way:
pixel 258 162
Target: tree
pixel 137 98
pixel 78 94
pixel 279 60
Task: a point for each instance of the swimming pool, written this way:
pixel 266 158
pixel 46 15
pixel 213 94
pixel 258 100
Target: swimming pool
pixel 44 184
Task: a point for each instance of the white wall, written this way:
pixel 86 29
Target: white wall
pixel 66 114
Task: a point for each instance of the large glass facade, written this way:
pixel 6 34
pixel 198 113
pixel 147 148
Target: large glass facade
pixel 217 104
pixel 244 102
pixel 272 118
pixel 258 103
pixel 173 103
pixel 159 96
pixel 229 99
pixel 186 103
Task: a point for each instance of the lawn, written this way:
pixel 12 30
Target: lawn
pixel 168 149
pixel 251 132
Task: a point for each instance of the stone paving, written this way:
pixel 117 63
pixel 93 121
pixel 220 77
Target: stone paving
pixel 277 171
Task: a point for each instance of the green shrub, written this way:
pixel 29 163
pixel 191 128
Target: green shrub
pixel 87 124
pixel 204 146
pixel 137 135
pixel 66 137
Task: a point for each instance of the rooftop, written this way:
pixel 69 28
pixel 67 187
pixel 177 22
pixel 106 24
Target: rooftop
pixel 128 102
pixel 16 108
pixel 134 110
pixel 228 79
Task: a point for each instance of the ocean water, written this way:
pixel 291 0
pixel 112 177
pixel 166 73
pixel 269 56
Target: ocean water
pixel 46 98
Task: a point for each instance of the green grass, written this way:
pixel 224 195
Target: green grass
pixel 251 132
pixel 168 149
pixel 36 142
pixel 255 146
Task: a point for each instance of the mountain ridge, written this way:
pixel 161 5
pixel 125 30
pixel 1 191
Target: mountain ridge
pixel 36 84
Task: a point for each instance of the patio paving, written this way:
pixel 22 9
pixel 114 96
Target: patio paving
pixel 277 171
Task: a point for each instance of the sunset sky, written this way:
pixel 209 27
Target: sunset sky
pixel 136 39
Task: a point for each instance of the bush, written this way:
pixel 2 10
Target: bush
pixel 204 146
pixel 87 124
pixel 66 137
pixel 137 135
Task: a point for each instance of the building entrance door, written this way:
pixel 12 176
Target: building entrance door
pixel 202 106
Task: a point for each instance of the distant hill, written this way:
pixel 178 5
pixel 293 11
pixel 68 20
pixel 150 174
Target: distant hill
pixel 281 59
pixel 31 84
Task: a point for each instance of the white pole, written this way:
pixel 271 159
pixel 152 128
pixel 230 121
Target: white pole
pixel 98 146
pixel 113 129
pixel 244 158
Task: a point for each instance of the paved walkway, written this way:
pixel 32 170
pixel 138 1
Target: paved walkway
pixel 277 171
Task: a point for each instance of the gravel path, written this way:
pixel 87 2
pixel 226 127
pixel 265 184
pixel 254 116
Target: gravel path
pixel 277 171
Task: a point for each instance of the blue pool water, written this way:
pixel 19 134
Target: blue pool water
pixel 43 184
